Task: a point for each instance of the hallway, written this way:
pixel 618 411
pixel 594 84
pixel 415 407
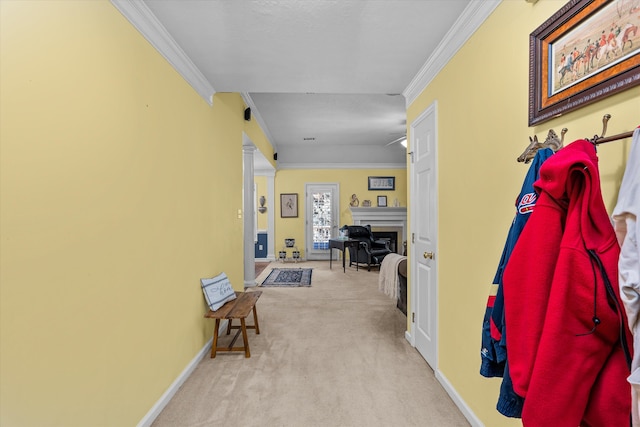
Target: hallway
pixel 333 354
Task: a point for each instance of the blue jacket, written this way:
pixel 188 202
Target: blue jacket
pixel 494 341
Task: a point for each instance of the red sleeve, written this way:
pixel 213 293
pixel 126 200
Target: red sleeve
pixel 526 284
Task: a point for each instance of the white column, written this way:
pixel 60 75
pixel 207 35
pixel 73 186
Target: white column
pixel 248 212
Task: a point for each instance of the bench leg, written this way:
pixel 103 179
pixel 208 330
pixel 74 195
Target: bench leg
pixel 247 352
pixel 214 345
pixel 255 320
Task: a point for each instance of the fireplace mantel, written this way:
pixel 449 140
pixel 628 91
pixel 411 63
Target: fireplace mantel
pixel 381 217
pixel 391 214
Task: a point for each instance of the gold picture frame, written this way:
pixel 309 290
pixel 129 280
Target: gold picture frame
pixel 587 51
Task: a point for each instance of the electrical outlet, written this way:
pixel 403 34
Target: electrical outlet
pixel 260 247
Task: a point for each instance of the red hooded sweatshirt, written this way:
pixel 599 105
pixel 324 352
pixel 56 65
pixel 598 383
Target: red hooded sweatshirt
pixel 564 343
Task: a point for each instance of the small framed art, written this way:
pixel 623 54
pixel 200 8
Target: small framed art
pixel 382 201
pixel 289 205
pixel 382 183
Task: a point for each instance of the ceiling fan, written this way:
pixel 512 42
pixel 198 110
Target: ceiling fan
pixel 402 140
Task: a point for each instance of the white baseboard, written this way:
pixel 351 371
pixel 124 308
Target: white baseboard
pixel 408 337
pixel 451 391
pixel 460 403
pixel 164 400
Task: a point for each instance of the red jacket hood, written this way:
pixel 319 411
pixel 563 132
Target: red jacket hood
pixel 573 173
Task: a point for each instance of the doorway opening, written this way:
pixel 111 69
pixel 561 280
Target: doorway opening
pixel 321 218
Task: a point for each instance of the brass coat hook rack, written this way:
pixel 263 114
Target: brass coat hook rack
pixel 597 140
pixel 552 142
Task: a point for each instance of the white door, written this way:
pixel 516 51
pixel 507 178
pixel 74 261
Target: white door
pixel 424 226
pixel 321 218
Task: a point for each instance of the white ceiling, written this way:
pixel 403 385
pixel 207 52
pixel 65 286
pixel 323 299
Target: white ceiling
pixel 333 70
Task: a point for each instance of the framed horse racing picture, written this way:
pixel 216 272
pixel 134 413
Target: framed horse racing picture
pixel 586 51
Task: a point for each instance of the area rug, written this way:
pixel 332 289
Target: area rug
pixel 288 277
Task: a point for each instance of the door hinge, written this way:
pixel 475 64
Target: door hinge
pixel 413 317
pixel 411 154
pixel 413 237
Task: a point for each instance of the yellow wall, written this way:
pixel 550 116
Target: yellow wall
pixel 482 128
pixel 259 139
pixel 351 181
pixel 257 136
pixel 118 184
pixel 261 190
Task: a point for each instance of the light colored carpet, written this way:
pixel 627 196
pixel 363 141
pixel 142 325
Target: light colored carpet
pixel 333 354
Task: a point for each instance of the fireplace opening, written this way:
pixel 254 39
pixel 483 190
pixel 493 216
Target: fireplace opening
pixel 390 236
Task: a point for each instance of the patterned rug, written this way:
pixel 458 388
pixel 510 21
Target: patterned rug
pixel 288 277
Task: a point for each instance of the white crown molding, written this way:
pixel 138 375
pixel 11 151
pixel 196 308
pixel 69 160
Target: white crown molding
pixel 469 21
pixel 141 17
pixel 341 166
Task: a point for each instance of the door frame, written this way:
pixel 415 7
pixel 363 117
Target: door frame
pixel 410 334
pixel 308 216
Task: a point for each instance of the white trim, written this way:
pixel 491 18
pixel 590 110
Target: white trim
pixel 382 217
pixel 458 400
pixel 150 27
pixel 264 172
pixel 164 400
pixel 469 21
pixel 309 252
pixel 413 209
pixel 249 218
pixel 409 337
pixel 342 166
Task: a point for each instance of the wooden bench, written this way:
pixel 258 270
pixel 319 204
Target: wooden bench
pixel 239 308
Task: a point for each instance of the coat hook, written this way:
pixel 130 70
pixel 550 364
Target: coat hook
pixel 552 142
pixel 562 133
pixel 605 120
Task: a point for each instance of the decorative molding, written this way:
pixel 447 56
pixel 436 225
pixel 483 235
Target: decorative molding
pixel 341 166
pixel 458 400
pixel 264 172
pixel 469 21
pixel 382 217
pixel 396 213
pixel 148 25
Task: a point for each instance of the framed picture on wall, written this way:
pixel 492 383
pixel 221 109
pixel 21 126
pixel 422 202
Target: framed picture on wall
pixel 587 51
pixel 382 201
pixel 382 183
pixel 289 205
